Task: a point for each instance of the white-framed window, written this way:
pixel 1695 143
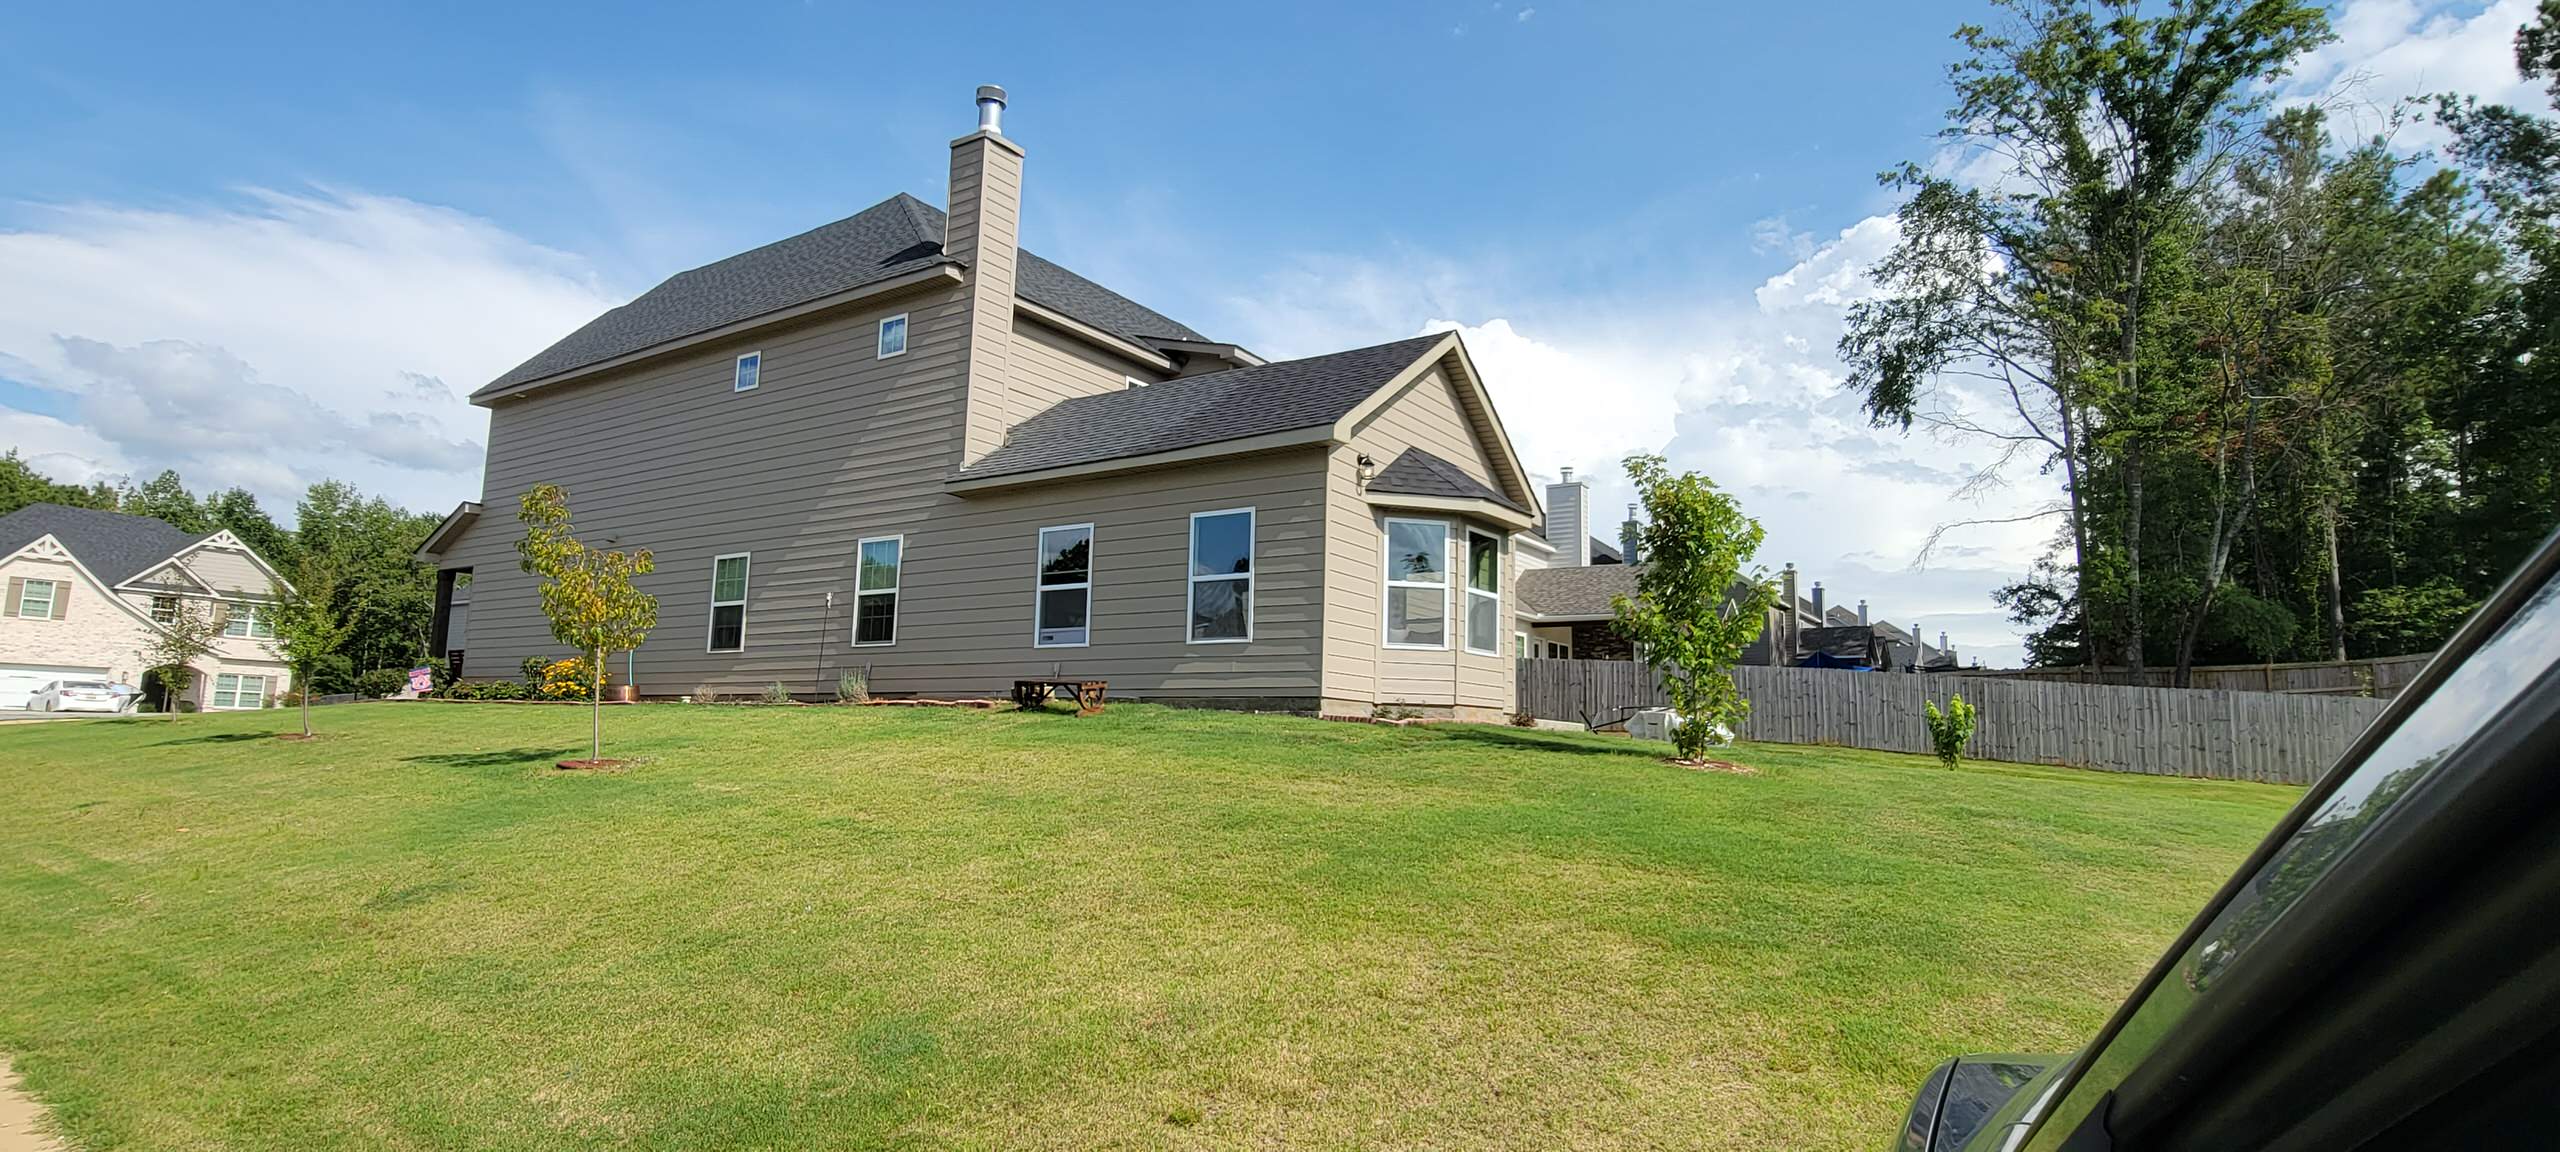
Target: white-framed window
pixel 893 336
pixel 1221 577
pixel 232 692
pixel 164 609
pixel 1520 645
pixel 1484 594
pixel 36 598
pixel 728 604
pixel 876 561
pixel 750 372
pixel 1062 614
pixel 256 621
pixel 1417 614
pixel 1133 382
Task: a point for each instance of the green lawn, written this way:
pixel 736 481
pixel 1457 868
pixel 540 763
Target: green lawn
pixel 801 928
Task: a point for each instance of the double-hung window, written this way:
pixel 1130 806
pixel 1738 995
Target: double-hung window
pixel 256 621
pixel 164 609
pixel 875 589
pixel 1484 594
pixel 1417 583
pixel 728 604
pixel 1065 606
pixel 893 336
pixel 1221 577
pixel 750 372
pixel 36 598
pixel 231 691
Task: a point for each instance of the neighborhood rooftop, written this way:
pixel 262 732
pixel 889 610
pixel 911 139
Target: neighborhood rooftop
pixel 894 237
pixel 115 547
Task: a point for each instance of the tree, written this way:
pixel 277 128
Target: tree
pixel 21 485
pixel 165 497
pixel 588 595
pixel 2112 121
pixel 236 510
pixel 1695 609
pixel 309 627
pixel 175 645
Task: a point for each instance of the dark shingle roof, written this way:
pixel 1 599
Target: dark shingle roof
pixel 114 547
pixel 1585 590
pixel 1194 410
pixel 1603 552
pixel 889 239
pixel 1419 473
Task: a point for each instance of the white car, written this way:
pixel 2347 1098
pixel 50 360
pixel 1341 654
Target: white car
pixel 75 696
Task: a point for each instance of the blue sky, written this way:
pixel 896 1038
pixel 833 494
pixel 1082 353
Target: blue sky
pixel 1646 217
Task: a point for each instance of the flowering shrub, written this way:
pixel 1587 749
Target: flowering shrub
pixel 570 679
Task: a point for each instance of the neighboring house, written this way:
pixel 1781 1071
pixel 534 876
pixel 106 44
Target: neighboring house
pixel 901 443
pixel 1570 580
pixel 85 590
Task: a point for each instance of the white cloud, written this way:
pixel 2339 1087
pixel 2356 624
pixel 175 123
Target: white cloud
pixel 1772 234
pixel 1525 14
pixel 285 340
pixel 2388 50
pixel 1745 390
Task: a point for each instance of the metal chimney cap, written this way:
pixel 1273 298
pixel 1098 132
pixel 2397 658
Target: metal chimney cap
pixel 991 92
pixel 991 109
pixel 1567 476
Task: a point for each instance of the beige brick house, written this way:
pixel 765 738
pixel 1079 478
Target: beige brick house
pixel 83 590
pixel 901 443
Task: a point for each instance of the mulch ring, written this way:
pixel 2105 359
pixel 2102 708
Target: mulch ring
pixel 606 765
pixel 1726 766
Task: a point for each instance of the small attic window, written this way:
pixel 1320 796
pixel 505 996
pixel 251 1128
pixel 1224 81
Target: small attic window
pixel 893 336
pixel 1133 382
pixel 750 369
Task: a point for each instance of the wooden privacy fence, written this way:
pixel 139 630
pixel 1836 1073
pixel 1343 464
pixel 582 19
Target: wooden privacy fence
pixel 2285 739
pixel 2381 677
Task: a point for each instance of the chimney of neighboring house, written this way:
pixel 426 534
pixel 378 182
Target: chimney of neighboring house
pixel 1788 622
pixel 1569 520
pixel 985 221
pixel 1862 612
pixel 1630 537
pixel 1945 651
pixel 1820 619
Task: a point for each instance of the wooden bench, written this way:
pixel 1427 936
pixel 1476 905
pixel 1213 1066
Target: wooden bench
pixel 1086 693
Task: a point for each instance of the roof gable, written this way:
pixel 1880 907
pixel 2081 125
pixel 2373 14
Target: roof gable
pixel 113 546
pixel 1190 411
pixel 892 238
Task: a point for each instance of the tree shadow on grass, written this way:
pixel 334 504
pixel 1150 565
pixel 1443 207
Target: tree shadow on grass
pixel 500 758
pixel 1545 742
pixel 218 738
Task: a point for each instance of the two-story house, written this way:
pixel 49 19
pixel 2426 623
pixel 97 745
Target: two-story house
pixel 86 589
pixel 901 443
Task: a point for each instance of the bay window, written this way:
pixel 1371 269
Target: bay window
pixel 1417 614
pixel 1484 594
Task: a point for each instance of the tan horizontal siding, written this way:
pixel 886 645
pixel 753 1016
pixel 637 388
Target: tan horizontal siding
pixel 1050 366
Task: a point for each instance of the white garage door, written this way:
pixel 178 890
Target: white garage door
pixel 18 680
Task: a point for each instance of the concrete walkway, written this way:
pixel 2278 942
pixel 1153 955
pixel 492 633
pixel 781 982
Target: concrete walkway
pixel 21 1118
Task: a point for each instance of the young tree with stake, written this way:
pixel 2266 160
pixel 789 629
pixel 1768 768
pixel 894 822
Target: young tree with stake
pixel 1695 609
pixel 309 626
pixel 588 595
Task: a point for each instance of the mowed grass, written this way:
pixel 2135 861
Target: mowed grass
pixel 874 928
